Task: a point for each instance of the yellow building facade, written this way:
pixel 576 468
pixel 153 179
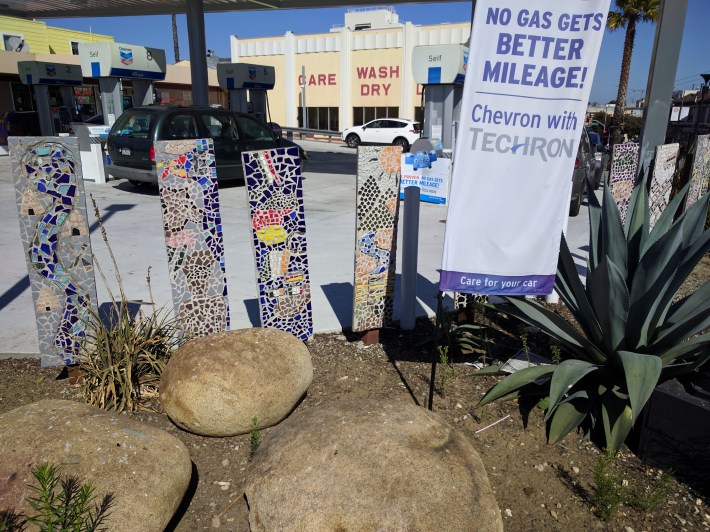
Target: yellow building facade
pixel 353 74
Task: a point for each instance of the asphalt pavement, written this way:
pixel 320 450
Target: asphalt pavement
pixel 132 219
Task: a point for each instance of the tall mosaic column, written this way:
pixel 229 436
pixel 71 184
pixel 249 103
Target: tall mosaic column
pixel 189 199
pixel 701 171
pixel 377 209
pixel 55 234
pixel 662 181
pixel 624 164
pixel 275 195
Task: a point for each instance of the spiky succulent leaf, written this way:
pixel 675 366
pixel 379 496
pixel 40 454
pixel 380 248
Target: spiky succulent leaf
pixel 517 380
pixel 606 289
pixel 642 373
pixel 567 416
pixel 686 318
pixel 616 419
pixel 571 290
pixel 665 220
pixel 694 346
pixel 612 237
pixel 567 374
pixel 553 325
pixel 637 224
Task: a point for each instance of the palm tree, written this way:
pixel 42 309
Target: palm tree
pixel 176 46
pixel 627 15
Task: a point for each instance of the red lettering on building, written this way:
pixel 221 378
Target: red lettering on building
pixel 375 89
pixel 383 72
pixel 315 80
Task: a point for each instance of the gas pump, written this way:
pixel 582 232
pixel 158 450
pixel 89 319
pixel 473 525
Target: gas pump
pixel 247 85
pixel 54 116
pixel 109 62
pixel 441 70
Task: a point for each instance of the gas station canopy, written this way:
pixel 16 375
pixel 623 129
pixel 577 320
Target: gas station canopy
pixel 115 8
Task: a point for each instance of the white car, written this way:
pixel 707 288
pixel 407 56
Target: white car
pixel 397 131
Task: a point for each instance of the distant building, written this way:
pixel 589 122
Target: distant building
pixel 354 73
pixel 31 40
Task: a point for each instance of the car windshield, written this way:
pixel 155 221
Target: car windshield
pixel 134 125
pixel 254 130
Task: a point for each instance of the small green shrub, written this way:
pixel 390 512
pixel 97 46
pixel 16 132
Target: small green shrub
pixel 60 505
pixel 609 492
pixel 11 521
pixel 447 370
pixel 647 497
pixel 254 437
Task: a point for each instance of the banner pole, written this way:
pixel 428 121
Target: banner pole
pixel 435 350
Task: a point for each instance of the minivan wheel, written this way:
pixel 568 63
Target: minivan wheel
pixel 399 141
pixel 352 140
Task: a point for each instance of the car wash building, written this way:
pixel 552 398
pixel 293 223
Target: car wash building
pixel 349 75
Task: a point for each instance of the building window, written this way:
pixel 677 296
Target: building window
pixel 325 118
pixel 14 43
pixel 362 115
pixel 74 47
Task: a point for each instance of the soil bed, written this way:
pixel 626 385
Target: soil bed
pixel 538 487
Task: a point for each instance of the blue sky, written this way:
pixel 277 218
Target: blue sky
pixel 156 31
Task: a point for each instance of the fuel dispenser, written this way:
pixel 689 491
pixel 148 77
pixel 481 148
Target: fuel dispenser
pixel 247 85
pixel 440 69
pixel 55 112
pixel 109 62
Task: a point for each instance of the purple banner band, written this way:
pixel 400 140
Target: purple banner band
pixel 496 285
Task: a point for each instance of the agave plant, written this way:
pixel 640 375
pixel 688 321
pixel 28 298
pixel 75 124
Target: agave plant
pixel 635 333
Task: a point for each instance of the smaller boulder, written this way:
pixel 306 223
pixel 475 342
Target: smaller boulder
pixel 369 465
pixel 216 384
pixel 147 469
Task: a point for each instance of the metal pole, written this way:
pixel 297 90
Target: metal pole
pixel 303 99
pixel 664 62
pixel 198 52
pixel 410 245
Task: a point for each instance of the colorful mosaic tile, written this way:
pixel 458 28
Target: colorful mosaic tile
pixel 701 171
pixel 275 195
pixel 55 235
pixel 624 164
pixel 377 208
pixel 662 181
pixel 189 198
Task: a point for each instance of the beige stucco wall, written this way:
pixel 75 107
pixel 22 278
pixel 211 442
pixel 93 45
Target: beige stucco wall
pixel 376 78
pixel 322 78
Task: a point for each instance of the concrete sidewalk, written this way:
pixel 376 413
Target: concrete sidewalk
pixel 133 221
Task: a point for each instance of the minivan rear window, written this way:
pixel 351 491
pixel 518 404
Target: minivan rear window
pixel 134 125
pixel 416 127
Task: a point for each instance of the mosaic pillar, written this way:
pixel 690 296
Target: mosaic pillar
pixel 377 208
pixel 701 171
pixel 624 164
pixel 189 199
pixel 275 195
pixel 662 181
pixel 55 235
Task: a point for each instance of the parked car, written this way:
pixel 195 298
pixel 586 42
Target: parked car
pixel 131 139
pixel 583 172
pixel 397 131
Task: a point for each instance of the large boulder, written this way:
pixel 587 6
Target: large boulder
pixel 148 469
pixel 369 465
pixel 216 384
